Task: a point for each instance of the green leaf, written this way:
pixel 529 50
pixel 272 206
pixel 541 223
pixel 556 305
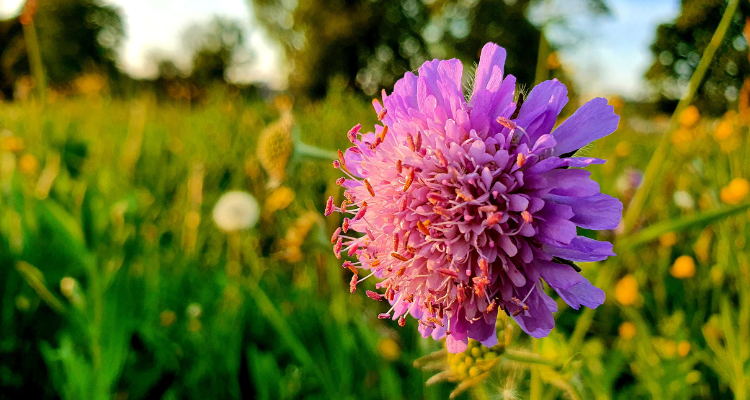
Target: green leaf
pixel 654 231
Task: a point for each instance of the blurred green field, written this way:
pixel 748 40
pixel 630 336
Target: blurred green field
pixel 116 283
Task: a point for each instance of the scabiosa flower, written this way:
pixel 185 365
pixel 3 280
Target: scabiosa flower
pixel 464 207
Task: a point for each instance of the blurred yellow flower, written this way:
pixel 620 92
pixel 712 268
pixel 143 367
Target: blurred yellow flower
pixel 617 103
pixel 682 136
pixel 736 191
pixel 626 290
pixel 389 349
pixel 683 348
pixel 623 149
pixel 553 61
pixel 689 116
pixel 668 239
pixel 668 348
pixel 683 267
pixel 167 318
pixel 28 165
pixel 627 330
pixel 723 130
pixel 279 199
pixel 11 144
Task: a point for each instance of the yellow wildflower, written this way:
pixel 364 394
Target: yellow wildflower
pixel 626 290
pixel 279 199
pixel 389 349
pixel 28 165
pixel 683 267
pixel 736 191
pixel 689 116
pixel 627 330
pixel 668 239
pixel 623 149
pixel 683 348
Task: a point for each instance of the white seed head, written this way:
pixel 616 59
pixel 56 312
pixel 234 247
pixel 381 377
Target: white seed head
pixel 236 211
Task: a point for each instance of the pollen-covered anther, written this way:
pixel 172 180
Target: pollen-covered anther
pixel 395 242
pixel 435 321
pixel 422 228
pixel 352 134
pixel 342 161
pixel 329 206
pixel 527 217
pixel 441 211
pixel 374 295
pixel 383 133
pixel 335 236
pixel 399 166
pixel 410 142
pixel 336 164
pixel 506 123
pixel 402 204
pixel 399 257
pixel 384 316
pixel 353 283
pixel 488 208
pixel 344 204
pixel 401 271
pixel 340 181
pixel 353 249
pixel 493 219
pixel 409 180
pixel 484 266
pixel 521 160
pixel 350 267
pixel 480 283
pixel 418 144
pixel 447 272
pixel 369 188
pixel 401 321
pixel 361 212
pixel 463 195
pixel 337 247
pixel 382 114
pixel 441 158
pixel 490 307
pixel 345 225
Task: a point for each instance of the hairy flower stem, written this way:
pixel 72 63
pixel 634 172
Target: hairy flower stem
pixel 662 150
pixel 526 357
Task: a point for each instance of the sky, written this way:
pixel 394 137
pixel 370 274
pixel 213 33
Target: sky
pixel 610 56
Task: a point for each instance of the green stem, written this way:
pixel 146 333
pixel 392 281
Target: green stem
pixel 541 61
pixel 662 149
pixel 35 58
pixel 314 152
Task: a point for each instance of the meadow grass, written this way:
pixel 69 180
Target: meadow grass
pixel 117 283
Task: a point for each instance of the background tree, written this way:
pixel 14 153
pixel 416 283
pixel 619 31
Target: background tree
pixel 214 46
pixel 74 36
pixel 677 50
pixel 372 43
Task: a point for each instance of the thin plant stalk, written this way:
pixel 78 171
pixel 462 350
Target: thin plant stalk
pixel 662 150
pixel 541 62
pixel 35 58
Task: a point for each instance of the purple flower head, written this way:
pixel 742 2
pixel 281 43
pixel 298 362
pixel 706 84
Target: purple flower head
pixel 463 208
